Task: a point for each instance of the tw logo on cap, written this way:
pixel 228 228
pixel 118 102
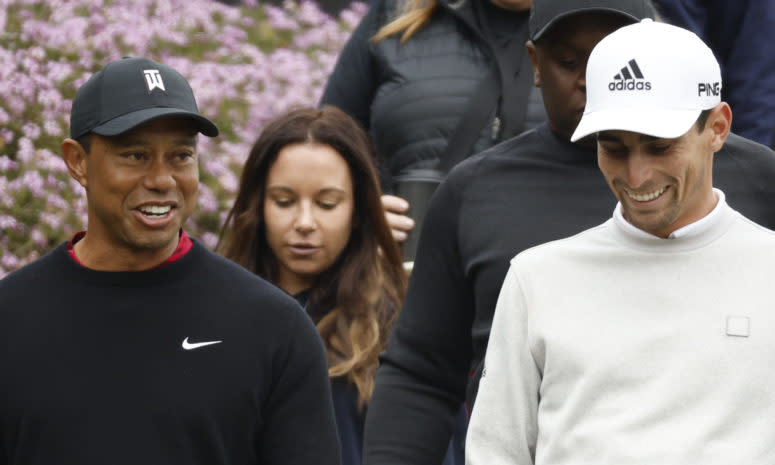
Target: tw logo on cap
pixel 153 80
pixel 629 78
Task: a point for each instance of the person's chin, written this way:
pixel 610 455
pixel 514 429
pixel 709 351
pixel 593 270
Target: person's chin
pixel 652 222
pixel 305 268
pixel 157 239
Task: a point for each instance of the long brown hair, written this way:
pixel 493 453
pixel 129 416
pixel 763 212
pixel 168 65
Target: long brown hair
pixel 416 13
pixel 365 286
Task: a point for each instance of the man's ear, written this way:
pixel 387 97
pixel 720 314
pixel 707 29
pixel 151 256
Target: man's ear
pixel 531 52
pixel 720 123
pixel 76 159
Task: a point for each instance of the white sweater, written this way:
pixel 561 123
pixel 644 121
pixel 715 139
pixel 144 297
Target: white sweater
pixel 616 347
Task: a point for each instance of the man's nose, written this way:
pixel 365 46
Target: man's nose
pixel 159 176
pixel 639 169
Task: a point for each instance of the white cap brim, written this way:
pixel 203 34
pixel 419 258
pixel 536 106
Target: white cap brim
pixel 656 122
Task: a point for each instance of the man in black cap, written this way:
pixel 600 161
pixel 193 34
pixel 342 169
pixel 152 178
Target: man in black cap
pixel 133 343
pixel 528 190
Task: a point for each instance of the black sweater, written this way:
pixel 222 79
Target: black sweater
pixel 350 419
pixel 529 190
pixel 94 367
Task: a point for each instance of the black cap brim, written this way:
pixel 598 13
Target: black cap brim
pixel 129 121
pixel 559 18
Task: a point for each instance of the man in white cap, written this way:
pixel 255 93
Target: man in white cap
pixel 647 339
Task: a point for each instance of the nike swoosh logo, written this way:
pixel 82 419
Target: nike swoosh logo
pixel 195 345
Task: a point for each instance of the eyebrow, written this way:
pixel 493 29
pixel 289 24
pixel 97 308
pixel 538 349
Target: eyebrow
pixel 606 138
pixel 325 190
pixel 562 46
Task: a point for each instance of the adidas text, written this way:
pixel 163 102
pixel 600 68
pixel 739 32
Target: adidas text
pixel 629 85
pixel 630 77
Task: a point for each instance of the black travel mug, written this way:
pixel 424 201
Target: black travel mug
pixel 416 187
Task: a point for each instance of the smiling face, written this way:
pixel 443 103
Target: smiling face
pixel 141 187
pixel 662 184
pixel 560 62
pixel 308 212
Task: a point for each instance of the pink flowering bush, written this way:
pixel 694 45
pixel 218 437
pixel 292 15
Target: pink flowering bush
pixel 246 65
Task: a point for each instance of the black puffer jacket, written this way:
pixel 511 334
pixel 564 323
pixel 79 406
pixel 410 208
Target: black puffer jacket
pixel 411 96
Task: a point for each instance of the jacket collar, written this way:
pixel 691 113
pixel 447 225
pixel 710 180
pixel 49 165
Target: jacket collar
pixel 464 10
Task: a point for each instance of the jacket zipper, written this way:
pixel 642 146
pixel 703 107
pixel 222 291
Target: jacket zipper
pixel 495 128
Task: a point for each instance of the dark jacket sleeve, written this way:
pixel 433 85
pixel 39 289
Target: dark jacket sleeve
pixel 735 33
pixel 745 170
pixel 421 382
pixel 747 64
pixel 299 426
pixel 353 81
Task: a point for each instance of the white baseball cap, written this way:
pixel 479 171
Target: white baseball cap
pixel 650 78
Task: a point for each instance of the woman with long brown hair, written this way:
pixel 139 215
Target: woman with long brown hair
pixel 308 218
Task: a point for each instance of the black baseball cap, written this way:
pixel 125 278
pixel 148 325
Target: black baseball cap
pixel 546 13
pixel 132 91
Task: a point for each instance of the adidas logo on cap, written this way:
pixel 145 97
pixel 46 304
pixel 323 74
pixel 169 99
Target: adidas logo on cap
pixel 626 80
pixel 661 93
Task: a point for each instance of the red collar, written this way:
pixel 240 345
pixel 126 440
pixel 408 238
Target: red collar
pixel 184 245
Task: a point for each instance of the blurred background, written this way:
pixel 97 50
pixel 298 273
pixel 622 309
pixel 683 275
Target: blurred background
pixel 246 61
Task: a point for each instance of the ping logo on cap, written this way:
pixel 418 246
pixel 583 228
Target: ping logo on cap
pixel 153 80
pixel 707 89
pixel 626 80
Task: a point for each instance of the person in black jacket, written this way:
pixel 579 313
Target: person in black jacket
pixel 734 31
pixel 526 191
pixel 133 343
pixel 324 239
pixel 435 83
